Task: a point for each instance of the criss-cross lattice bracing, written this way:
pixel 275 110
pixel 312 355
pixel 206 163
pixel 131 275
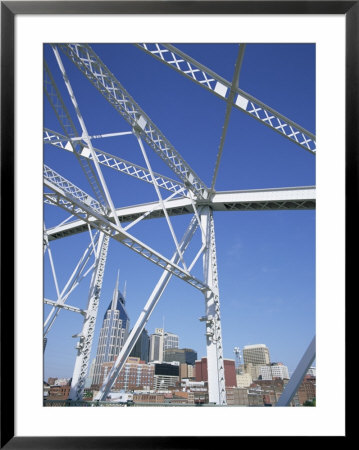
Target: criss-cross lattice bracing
pixel 94 209
pixel 205 77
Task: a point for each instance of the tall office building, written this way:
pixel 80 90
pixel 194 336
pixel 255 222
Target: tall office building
pixel 113 334
pixel 182 355
pixel 160 341
pixel 170 340
pixel 156 345
pixel 142 347
pixel 256 354
pixel 274 370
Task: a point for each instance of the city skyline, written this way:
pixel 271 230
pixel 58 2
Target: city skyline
pixel 266 258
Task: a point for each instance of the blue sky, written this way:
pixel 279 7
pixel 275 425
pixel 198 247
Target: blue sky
pixel 266 259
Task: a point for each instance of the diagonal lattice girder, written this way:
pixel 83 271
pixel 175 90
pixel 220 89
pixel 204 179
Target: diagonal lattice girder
pixel 64 306
pixel 64 118
pixel 71 189
pixel 114 162
pixel 75 201
pixel 205 77
pixel 100 76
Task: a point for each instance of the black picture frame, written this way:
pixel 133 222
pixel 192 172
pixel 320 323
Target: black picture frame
pixel 9 9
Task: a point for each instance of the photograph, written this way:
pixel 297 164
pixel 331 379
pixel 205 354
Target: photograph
pixel 179 224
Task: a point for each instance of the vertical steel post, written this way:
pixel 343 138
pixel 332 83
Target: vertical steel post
pixel 215 362
pixel 86 336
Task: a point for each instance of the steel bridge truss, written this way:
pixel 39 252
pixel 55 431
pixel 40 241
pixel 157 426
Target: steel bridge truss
pixel 187 195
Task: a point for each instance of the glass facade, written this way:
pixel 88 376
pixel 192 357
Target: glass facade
pixel 113 334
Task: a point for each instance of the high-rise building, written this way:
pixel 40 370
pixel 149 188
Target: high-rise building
pixel 156 345
pixel 274 370
pixel 142 347
pixel 256 354
pixel 182 355
pixel 160 341
pixel 113 334
pixel 170 340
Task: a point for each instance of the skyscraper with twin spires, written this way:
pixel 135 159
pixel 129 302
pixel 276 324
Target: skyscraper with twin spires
pixel 113 334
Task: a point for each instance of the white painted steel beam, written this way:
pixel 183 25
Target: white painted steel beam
pixel 84 344
pixel 61 182
pixel 297 198
pixel 227 115
pixel 265 199
pixel 64 118
pixel 105 135
pixel 205 77
pixel 59 141
pixel 215 361
pixel 145 214
pixel 173 234
pixel 64 306
pixel 101 77
pixel 74 203
pixel 76 277
pixel 85 133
